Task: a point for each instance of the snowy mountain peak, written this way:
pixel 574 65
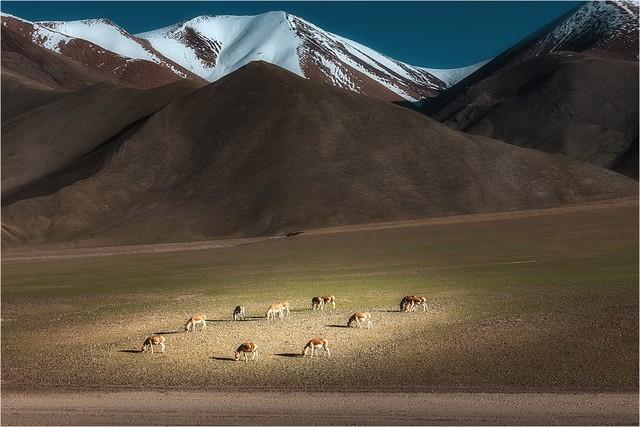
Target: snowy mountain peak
pixel 214 46
pixel 211 47
pixel 602 26
pixel 106 34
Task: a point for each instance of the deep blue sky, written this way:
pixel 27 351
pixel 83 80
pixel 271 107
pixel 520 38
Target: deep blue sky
pixel 428 34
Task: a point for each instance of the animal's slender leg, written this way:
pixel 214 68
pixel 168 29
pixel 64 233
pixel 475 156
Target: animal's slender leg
pixel 328 352
pixel 162 345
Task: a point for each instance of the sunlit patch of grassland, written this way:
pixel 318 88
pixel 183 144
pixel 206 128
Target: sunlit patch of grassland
pixel 548 302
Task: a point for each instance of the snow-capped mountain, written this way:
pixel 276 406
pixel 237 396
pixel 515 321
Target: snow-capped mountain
pixel 210 47
pixel 604 27
pixel 213 46
pixel 103 33
pixel 100 45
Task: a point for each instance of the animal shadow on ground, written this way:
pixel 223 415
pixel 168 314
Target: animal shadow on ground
pixel 288 354
pixel 130 351
pixel 337 326
pixel 168 332
pixel 226 359
pixel 246 319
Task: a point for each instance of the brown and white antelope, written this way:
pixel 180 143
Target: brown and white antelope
pixel 419 301
pixel 411 302
pixel 326 299
pixel 359 318
pixel 314 345
pixel 246 348
pixel 153 340
pixel 238 313
pixel 199 319
pixel 275 310
pixel 317 303
pixel 286 308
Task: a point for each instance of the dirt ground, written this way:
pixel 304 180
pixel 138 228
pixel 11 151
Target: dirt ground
pixel 277 408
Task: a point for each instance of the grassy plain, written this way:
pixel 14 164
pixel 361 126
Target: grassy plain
pixel 540 301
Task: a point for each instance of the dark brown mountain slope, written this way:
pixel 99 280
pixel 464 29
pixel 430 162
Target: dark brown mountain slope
pixel 20 95
pixel 571 88
pixel 582 106
pixel 263 151
pixel 57 134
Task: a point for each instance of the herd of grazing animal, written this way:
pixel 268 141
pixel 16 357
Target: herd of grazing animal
pixel 318 303
pixel 279 310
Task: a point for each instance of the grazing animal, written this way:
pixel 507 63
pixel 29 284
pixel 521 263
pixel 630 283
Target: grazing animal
pixel 238 313
pixel 329 299
pixel 285 308
pixel 199 319
pixel 411 303
pixel 314 345
pixel 153 340
pixel 360 317
pixel 406 302
pixel 275 310
pixel 245 348
pixel 317 303
pixel 419 301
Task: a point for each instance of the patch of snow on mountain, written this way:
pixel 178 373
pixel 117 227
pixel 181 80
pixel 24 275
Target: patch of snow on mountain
pixel 49 39
pixel 452 76
pixel 104 34
pixel 242 39
pixel 41 35
pixel 8 15
pixel 628 5
pixel 324 45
